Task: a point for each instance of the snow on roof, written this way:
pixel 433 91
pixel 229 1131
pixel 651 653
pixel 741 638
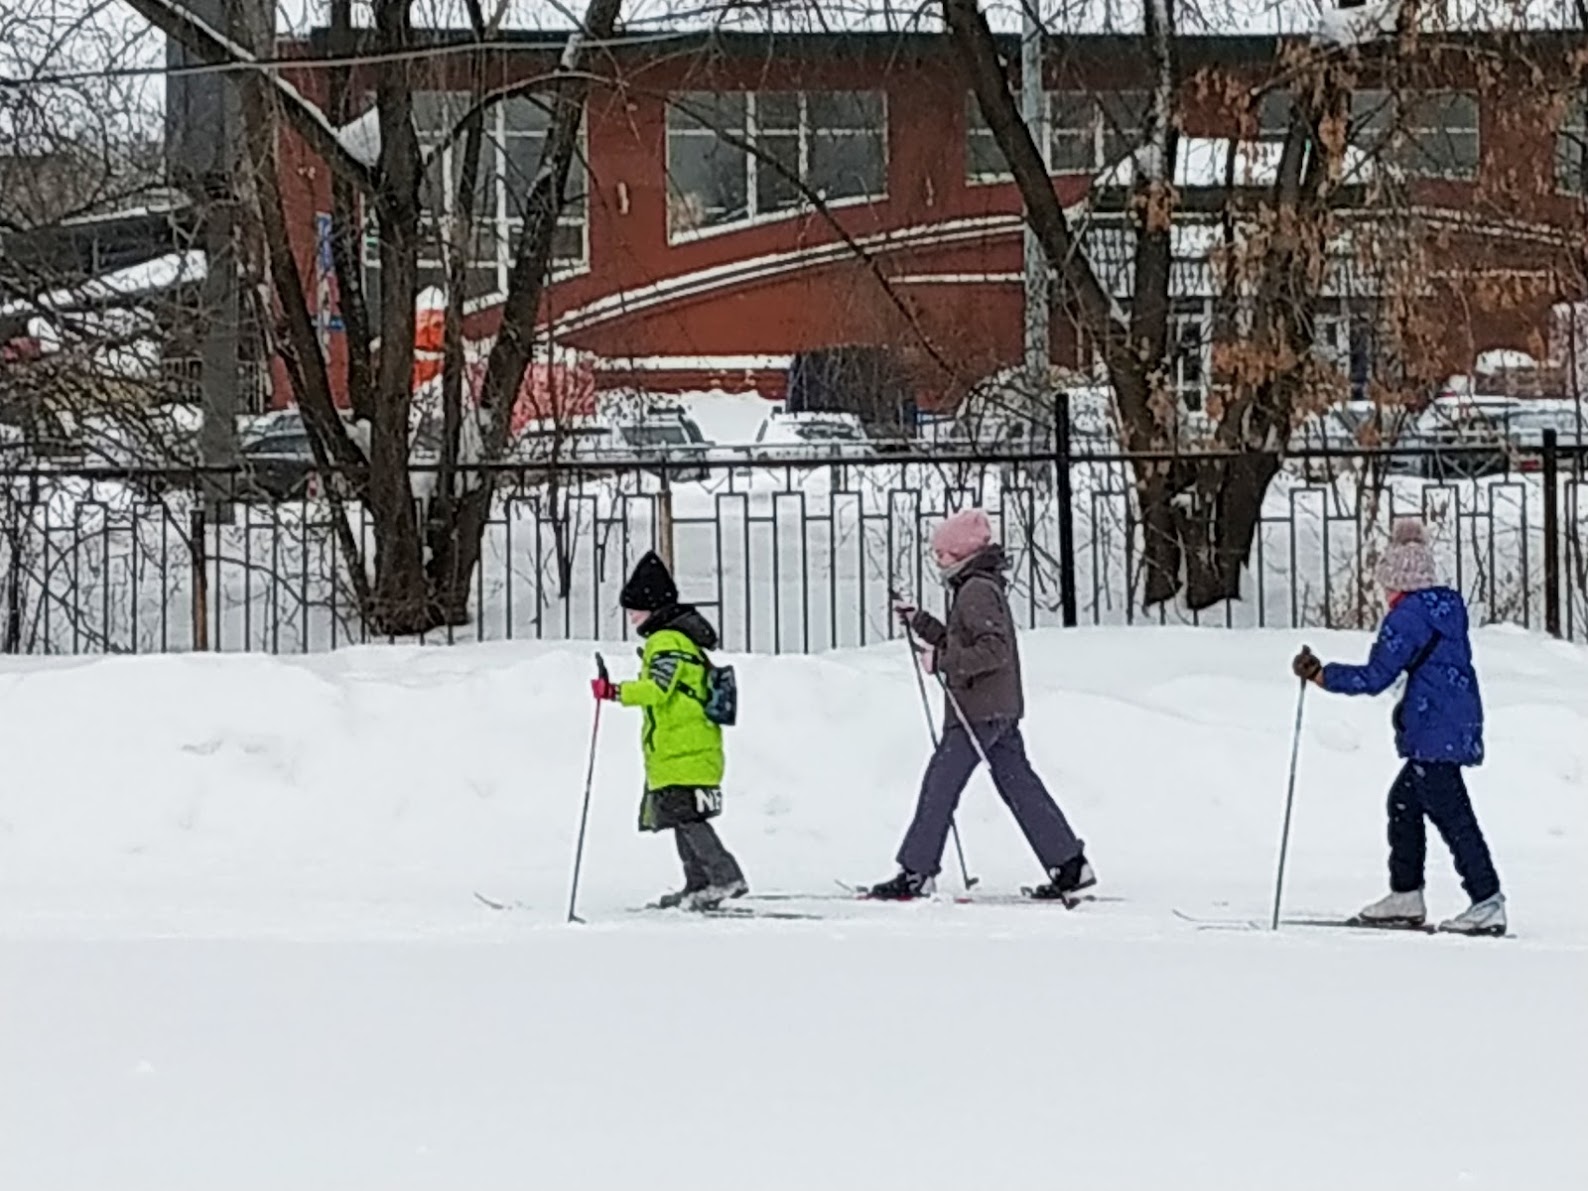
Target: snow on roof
pixel 1205 161
pixel 161 273
pixel 1236 17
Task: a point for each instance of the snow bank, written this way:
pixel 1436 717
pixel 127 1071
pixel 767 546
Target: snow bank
pixel 238 945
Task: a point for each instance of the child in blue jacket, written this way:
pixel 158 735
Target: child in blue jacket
pixel 1438 731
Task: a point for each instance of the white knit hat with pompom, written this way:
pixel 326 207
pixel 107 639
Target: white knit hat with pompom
pixel 1408 564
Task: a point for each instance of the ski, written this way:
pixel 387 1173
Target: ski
pixel 494 904
pixel 1352 923
pixel 1218 923
pixel 964 898
pixel 1355 923
pixel 1418 928
pixel 728 912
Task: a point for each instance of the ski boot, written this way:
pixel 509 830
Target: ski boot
pixel 1480 918
pixel 671 901
pixel 1394 910
pixel 1066 881
pixel 713 896
pixel 907 886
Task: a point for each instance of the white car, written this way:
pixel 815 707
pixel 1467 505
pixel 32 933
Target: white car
pixel 814 436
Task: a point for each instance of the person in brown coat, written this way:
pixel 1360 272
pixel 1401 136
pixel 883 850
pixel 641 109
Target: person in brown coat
pixel 977 657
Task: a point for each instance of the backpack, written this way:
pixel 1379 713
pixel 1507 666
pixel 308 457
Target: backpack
pixel 722 694
pixel 720 698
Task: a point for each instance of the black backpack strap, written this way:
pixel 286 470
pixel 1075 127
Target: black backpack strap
pixel 1423 655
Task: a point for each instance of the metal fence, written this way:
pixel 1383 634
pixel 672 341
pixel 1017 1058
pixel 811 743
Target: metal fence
pixel 792 556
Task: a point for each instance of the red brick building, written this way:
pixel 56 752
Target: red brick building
pixel 687 263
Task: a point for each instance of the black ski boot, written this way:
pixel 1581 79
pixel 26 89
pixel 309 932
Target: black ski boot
pixel 1068 880
pixel 678 897
pixel 907 886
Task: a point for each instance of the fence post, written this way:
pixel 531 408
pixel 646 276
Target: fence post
pixel 1066 502
pixel 1551 535
pixel 199 553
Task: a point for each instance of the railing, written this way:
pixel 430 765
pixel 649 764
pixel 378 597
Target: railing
pixel 795 555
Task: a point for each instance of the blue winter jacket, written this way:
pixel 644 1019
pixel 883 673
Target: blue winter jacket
pixel 1440 717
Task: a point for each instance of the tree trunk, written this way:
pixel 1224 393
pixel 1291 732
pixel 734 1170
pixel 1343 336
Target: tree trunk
pixel 456 543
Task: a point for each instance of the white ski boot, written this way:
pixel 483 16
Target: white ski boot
pixel 1480 918
pixel 1395 909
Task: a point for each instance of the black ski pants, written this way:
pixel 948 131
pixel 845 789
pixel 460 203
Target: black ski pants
pixel 1436 790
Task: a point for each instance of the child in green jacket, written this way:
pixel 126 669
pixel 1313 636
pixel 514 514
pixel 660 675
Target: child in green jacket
pixel 683 748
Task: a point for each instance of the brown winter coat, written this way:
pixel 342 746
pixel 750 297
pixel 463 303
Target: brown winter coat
pixel 977 654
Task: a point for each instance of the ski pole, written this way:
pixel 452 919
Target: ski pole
pixel 1290 798
pixel 584 813
pixel 931 729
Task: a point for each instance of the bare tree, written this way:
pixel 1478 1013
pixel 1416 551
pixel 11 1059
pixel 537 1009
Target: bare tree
pixel 422 566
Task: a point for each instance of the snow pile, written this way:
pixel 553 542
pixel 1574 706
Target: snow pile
pixel 238 945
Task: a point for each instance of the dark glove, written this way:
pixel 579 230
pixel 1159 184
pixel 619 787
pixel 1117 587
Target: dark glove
pixel 904 611
pixel 604 689
pixel 1307 667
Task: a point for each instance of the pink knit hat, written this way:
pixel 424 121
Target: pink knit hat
pixel 965 533
pixel 1408 564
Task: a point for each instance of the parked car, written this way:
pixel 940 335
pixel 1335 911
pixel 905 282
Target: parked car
pixel 814 435
pixel 665 435
pixel 1329 430
pixel 1463 438
pixel 278 463
pixel 1526 434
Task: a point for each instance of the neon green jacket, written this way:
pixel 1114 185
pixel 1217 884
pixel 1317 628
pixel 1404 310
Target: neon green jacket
pixel 682 747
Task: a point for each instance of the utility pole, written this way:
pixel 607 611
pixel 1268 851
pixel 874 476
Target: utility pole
pixel 204 138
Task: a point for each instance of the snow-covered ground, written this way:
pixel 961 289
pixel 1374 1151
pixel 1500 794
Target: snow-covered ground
pixel 239 947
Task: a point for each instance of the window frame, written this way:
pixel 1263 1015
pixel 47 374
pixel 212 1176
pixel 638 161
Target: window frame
pixel 499 223
pixel 1395 141
pixel 1097 132
pixel 804 132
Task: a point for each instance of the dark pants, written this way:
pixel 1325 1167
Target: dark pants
pixel 706 861
pixel 1039 817
pixel 1435 789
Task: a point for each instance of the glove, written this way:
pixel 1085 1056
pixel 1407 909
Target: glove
pixel 928 655
pixel 604 690
pixel 1307 667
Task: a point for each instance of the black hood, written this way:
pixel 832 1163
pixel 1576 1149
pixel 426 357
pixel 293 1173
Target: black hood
pixel 681 618
pixel 990 561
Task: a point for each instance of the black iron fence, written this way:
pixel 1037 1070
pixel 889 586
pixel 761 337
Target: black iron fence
pixel 789 555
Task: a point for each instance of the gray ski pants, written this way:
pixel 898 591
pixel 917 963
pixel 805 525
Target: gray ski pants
pixel 706 861
pixel 1039 817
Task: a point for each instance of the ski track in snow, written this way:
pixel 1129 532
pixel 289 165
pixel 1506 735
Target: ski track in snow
pixel 239 945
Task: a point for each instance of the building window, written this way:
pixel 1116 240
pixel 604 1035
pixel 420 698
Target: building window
pixel 1190 352
pixel 737 157
pixel 1571 149
pixel 1087 132
pixel 1432 134
pixel 1274 112
pixel 516 134
pixel 1343 339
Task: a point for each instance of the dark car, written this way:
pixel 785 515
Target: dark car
pixel 279 463
pixel 675 440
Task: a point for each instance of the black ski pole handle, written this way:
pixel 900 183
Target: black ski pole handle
pixel 601 668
